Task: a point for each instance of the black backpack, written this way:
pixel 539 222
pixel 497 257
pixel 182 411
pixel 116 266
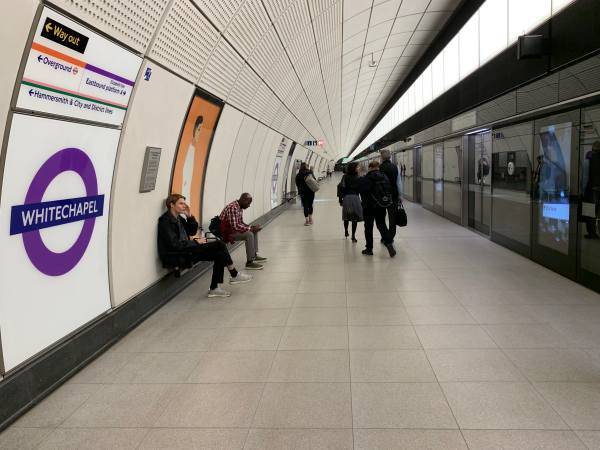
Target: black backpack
pixel 215 226
pixel 381 192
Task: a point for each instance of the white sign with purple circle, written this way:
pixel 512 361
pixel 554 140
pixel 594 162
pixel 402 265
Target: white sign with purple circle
pixel 53 232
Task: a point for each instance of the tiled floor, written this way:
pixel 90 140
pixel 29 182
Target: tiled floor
pixel 456 343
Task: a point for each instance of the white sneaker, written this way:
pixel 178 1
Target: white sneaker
pixel 218 292
pixel 240 278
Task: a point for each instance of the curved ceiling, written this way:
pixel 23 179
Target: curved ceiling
pixel 311 69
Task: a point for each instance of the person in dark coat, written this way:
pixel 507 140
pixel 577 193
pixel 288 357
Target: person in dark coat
pixel 374 190
pixel 175 227
pixel 391 171
pixel 307 196
pixel 349 199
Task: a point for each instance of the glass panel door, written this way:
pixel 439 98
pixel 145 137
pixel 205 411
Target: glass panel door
pixel 438 178
pixel 417 176
pixel 427 180
pixel 554 190
pixel 453 179
pixel 511 178
pixel 479 179
pixel 589 209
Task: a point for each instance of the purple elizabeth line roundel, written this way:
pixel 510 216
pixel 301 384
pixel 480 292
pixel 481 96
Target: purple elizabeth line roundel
pixel 44 259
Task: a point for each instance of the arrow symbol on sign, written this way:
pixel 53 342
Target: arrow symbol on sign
pixel 40 58
pixel 48 27
pixel 30 92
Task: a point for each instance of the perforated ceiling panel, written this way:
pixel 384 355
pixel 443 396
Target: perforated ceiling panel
pixel 312 69
pixel 132 22
pixel 185 40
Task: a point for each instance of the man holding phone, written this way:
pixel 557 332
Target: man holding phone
pixel 175 227
pixel 233 229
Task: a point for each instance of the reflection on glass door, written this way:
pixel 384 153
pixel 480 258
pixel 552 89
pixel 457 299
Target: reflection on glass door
pixel 427 177
pixel 554 184
pixel 589 186
pixel 416 161
pixel 438 178
pixel 479 179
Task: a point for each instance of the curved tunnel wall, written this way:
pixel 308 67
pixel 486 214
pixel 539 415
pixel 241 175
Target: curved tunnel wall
pixel 252 125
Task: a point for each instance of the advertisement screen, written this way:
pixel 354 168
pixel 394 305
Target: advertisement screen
pixel 53 232
pixel 551 184
pixel 275 195
pixel 192 152
pixel 74 72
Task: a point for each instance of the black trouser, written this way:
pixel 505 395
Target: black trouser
pixel 354 224
pixel 217 252
pixel 307 202
pixel 376 215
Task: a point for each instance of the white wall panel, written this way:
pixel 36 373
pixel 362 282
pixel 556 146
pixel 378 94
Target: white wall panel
pixel 258 189
pixel 213 198
pixel 252 166
pixel 134 215
pixel 239 156
pixel 13 35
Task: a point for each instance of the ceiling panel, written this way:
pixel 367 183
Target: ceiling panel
pixel 319 68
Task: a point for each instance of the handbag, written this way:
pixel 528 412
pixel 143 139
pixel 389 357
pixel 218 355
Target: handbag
pixel 401 219
pixel 340 188
pixel 312 183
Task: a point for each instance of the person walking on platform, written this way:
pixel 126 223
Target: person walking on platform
pixel 391 171
pixel 174 242
pixel 376 195
pixel 234 228
pixel 349 201
pixel 307 195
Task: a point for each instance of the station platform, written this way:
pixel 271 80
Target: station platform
pixel 455 343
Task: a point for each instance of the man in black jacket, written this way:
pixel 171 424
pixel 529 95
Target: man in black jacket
pixel 175 227
pixel 376 195
pixel 390 171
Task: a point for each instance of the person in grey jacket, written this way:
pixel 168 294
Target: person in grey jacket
pixel 391 171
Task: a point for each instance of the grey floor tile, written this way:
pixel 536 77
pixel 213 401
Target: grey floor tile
pixel 400 405
pixel 193 439
pixel 439 315
pixel 374 299
pixel 57 407
pixel 180 340
pixel 232 367
pixel 383 337
pixel 522 440
pixel 495 405
pixel 365 439
pixel 314 338
pixel 304 405
pixel 429 298
pixel 15 438
pixel 577 403
pixel 421 285
pixel 310 439
pixel 94 438
pixel 527 336
pixel 257 318
pixel 378 316
pixel 454 336
pixel 555 364
pixel 502 314
pixel 123 406
pixel 390 366
pixel 380 286
pixel 319 286
pixel 472 365
pixel 321 300
pixel 157 368
pixel 317 317
pixel 103 369
pixel 590 438
pixel 310 366
pixel 238 339
pixel 260 301
pixel 229 405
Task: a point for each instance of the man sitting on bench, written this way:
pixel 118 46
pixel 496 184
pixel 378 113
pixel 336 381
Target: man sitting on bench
pixel 175 227
pixel 233 229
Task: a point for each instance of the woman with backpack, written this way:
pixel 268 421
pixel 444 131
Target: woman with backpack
pixel 349 201
pixel 307 186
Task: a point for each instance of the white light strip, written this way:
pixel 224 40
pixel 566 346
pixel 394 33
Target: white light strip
pixel 493 28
